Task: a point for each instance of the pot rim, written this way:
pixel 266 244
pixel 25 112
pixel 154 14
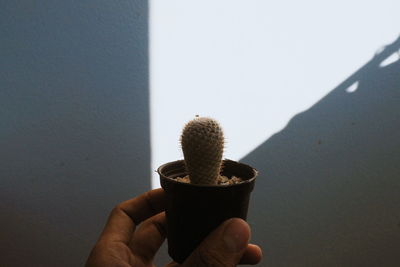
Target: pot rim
pixel 173 180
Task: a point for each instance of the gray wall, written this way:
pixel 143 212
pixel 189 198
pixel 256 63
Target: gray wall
pixel 74 123
pixel 328 193
pixel 74 141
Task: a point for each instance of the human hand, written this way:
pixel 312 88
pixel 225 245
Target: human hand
pixel 122 245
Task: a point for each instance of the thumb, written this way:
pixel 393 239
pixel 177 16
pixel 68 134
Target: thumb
pixel 223 247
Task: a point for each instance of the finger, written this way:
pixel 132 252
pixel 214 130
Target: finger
pixel 119 227
pixel 252 255
pixel 149 237
pixel 224 247
pixel 172 264
pixel 145 205
pixel 125 216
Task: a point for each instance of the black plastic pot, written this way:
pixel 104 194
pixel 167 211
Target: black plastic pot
pixel 193 211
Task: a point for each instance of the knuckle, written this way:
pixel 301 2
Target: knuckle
pixel 212 258
pixel 115 209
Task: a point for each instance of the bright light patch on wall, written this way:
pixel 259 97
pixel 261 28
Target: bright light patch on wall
pixel 352 88
pixel 390 60
pixel 253 64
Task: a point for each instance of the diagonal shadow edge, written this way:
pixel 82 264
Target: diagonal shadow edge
pixel 327 194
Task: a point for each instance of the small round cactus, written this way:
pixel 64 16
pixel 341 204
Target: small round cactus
pixel 203 144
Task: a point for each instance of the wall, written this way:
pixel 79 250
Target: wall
pixel 74 119
pixel 239 61
pixel 328 191
pixel 308 93
pixel 74 124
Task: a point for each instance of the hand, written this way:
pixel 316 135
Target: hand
pixel 122 245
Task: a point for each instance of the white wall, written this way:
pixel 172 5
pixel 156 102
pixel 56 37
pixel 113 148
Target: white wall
pixel 238 61
pixel 309 94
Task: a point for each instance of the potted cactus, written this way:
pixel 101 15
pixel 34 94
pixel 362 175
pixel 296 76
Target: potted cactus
pixel 203 190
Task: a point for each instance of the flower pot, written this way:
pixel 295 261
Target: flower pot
pixel 193 211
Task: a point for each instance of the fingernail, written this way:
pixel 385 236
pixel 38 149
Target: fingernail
pixel 236 235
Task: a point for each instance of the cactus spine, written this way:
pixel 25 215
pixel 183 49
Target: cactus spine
pixel 203 144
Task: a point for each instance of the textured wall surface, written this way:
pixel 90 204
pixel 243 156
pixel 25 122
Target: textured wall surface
pixel 74 124
pixel 328 190
pixel 74 141
pixel 299 88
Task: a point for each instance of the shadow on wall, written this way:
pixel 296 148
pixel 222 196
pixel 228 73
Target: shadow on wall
pixel 74 124
pixel 329 187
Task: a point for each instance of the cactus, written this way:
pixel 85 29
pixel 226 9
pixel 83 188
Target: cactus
pixel 203 144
